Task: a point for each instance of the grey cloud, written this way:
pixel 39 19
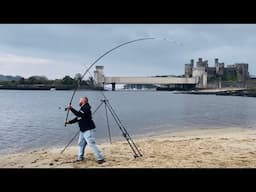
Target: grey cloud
pixel 71 46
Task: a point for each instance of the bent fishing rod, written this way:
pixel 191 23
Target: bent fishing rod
pixel 124 131
pixel 99 58
pixel 87 70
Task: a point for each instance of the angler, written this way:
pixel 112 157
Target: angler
pixel 87 129
pixel 122 128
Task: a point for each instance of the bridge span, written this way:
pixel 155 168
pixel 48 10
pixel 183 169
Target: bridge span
pixel 102 80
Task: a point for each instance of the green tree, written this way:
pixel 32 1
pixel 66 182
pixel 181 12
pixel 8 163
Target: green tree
pixel 32 80
pixel 38 80
pixel 43 80
pixel 67 80
pixel 22 80
pixel 91 81
pixel 78 77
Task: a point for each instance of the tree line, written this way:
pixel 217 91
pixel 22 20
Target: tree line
pixel 67 81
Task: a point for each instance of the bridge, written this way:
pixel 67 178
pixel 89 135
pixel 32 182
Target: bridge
pixel 181 82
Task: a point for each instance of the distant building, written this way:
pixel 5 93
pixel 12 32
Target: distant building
pixel 237 72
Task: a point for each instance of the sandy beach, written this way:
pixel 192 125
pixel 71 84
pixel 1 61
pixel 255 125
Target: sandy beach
pixel 204 148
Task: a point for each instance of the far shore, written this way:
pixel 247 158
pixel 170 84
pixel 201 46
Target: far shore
pixel 201 148
pixel 244 92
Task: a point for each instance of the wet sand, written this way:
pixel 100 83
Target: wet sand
pixel 204 148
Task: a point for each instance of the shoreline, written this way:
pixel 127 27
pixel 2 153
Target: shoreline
pixel 203 148
pixel 242 92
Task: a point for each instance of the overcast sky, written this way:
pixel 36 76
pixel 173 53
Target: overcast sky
pixel 56 50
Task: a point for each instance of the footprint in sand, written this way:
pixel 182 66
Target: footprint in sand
pixel 35 161
pixel 33 151
pixel 192 139
pixel 207 153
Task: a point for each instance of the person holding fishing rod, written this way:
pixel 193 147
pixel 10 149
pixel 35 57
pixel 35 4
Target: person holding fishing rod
pixel 82 118
pixel 87 129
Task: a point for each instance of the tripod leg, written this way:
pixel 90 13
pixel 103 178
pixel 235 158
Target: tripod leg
pixel 124 130
pixel 109 135
pixel 124 134
pixel 97 108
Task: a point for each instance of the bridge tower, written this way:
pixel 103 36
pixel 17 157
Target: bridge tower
pixel 99 76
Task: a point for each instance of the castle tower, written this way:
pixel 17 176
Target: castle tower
pixel 202 64
pixel 219 67
pixel 189 68
pixel 242 71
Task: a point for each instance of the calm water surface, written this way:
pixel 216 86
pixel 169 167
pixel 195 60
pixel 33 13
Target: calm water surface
pixel 34 119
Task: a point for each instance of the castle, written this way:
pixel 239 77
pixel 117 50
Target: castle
pixel 199 75
pixel 214 77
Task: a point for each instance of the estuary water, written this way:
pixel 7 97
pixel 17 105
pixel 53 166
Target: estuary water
pixel 35 119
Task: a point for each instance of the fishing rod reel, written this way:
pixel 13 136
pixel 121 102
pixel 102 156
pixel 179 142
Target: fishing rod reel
pixel 66 109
